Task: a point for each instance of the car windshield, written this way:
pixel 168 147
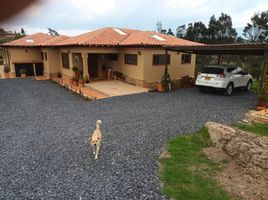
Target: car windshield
pixel 212 70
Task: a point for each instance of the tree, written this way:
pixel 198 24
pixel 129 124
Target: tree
pixel 52 32
pixel 22 32
pixel 164 31
pixel 170 32
pixel 181 31
pixel 196 32
pixel 257 30
pixel 221 30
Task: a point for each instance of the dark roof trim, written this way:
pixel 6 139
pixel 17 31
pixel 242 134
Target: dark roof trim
pixel 216 49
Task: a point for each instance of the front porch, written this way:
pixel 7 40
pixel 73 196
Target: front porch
pixel 93 65
pixel 116 88
pixel 101 89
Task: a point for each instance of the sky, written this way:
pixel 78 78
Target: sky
pixel 73 17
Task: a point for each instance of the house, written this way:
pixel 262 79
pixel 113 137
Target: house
pixel 139 55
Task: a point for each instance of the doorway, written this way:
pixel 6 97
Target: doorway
pixel 93 65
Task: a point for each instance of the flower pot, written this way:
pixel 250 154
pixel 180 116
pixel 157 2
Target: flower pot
pixel 259 108
pixel 261 103
pixel 109 74
pixel 104 74
pixel 23 75
pixel 160 87
pixel 7 75
pixel 81 83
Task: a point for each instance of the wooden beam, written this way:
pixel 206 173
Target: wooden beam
pixel 166 63
pixel 219 59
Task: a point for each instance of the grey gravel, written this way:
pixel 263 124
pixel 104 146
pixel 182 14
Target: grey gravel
pixel 43 129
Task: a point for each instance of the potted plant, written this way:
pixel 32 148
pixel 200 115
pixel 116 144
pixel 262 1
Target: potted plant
pixel 23 73
pixel 76 71
pixel 104 71
pixel 81 79
pixel 86 78
pixel 117 75
pixel 165 83
pixel 7 70
pixel 59 75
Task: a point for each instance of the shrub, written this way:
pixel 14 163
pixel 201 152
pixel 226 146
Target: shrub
pixel 75 69
pixel 6 69
pixel 23 71
pixel 165 81
pixel 186 81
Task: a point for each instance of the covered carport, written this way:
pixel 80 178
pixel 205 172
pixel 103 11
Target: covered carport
pixel 260 49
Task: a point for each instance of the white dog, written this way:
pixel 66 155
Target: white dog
pixel 95 140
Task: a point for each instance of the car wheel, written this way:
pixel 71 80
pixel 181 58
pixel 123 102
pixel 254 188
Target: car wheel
pixel 229 89
pixel 249 85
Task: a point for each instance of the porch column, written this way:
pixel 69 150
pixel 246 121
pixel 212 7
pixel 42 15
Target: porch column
pixel 264 69
pixel 85 63
pixel 70 60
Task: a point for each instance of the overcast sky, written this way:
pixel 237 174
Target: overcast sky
pixel 73 17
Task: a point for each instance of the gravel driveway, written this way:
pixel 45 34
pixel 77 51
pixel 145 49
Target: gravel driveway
pixel 43 154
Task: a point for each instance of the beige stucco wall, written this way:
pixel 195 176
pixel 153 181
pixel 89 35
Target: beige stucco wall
pixel 143 71
pixel 23 55
pixel 176 70
pixel 53 63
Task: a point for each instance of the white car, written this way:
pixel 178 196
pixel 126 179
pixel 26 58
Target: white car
pixel 224 77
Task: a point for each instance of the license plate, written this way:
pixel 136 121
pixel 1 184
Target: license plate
pixel 207 78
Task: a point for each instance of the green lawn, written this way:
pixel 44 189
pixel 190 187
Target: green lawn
pixel 188 173
pixel 258 128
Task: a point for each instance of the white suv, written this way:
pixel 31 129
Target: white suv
pixel 223 77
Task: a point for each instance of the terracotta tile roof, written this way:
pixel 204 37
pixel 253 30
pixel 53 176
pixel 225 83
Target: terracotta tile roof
pixel 101 37
pixel 119 37
pixel 37 39
pixel 55 40
pixel 150 38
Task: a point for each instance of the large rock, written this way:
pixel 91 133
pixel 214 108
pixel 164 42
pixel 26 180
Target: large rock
pixel 248 150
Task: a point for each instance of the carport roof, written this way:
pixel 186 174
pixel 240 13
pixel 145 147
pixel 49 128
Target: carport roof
pixel 216 49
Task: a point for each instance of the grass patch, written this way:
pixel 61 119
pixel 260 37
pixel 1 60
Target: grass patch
pixel 188 173
pixel 258 128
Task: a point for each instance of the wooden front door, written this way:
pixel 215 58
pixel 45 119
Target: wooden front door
pixel 93 65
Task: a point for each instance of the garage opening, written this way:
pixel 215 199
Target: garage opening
pixel 27 66
pixel 32 69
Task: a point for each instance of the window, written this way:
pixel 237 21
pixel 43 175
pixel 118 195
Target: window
pixel 45 55
pixel 230 69
pixel 131 59
pixel 237 70
pixel 160 59
pixel 212 70
pixel 65 60
pixel 186 58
